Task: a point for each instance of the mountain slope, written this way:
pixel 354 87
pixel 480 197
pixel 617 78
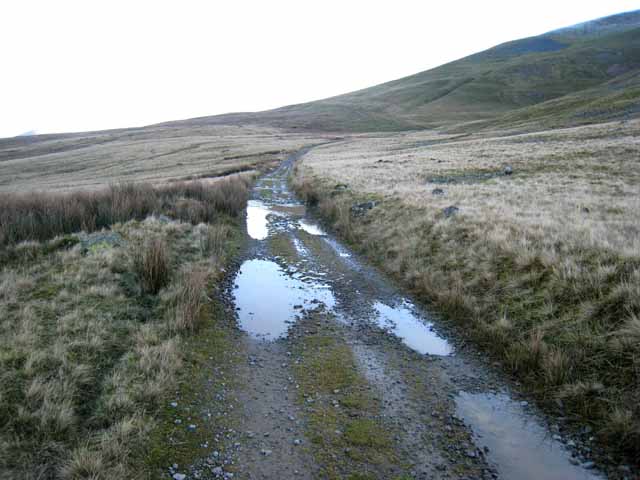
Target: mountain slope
pixel 481 87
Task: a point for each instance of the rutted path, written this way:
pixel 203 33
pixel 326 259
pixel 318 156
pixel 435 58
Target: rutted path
pixel 346 376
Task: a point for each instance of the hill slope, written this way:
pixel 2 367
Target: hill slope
pixel 481 87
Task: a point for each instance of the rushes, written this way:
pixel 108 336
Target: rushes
pixel 41 216
pixel 151 264
pixel 190 300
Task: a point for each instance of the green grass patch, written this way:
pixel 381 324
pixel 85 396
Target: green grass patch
pixel 348 437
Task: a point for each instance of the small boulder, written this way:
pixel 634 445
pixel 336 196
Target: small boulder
pixel 437 191
pixel 450 211
pixel 508 170
pixel 359 209
pixel 339 188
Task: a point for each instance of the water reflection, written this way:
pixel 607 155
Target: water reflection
pixel 269 299
pixel 412 330
pixel 518 444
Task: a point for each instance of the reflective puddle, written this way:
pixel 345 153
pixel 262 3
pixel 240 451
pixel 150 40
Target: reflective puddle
pixel 257 223
pixel 518 444
pixel 269 299
pixel 413 331
pixel 311 228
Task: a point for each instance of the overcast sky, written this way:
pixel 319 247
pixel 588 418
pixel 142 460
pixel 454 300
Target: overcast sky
pixel 86 65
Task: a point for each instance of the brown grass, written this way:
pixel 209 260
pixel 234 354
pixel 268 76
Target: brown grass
pixel 92 160
pixel 41 216
pixel 191 299
pixel 85 362
pixel 540 268
pixel 151 264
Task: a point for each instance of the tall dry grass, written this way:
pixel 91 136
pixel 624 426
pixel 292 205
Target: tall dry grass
pixel 41 216
pixel 190 299
pixel 85 362
pixel 151 263
pixel 550 296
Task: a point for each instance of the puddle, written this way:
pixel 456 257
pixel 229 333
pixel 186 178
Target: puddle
pixel 339 249
pixel 266 296
pixel 300 248
pixel 413 331
pixel 311 228
pixel 519 445
pixel 257 223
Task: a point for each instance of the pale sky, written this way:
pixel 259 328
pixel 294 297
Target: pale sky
pixel 88 65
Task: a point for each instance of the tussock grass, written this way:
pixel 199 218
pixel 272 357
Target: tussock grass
pixel 91 339
pixel 515 268
pixel 191 299
pixel 213 239
pixel 151 264
pixel 42 216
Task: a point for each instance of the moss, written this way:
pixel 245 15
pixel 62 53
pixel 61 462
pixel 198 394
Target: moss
pixel 365 432
pixel 351 439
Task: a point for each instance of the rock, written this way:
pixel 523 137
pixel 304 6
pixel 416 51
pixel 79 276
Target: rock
pixel 359 209
pixel 217 471
pixel 191 427
pixel 179 476
pixel 339 188
pixel 100 240
pixel 508 170
pixel 589 465
pixel 524 404
pixel 450 211
pixel 297 441
pixel 266 453
pixel 437 191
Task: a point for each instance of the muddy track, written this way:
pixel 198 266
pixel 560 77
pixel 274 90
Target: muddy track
pixel 346 377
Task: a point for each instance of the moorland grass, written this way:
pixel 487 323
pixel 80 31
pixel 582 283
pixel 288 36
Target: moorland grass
pixel 559 308
pixel 91 338
pixel 42 216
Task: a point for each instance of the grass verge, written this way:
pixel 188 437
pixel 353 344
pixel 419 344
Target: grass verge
pixel 564 321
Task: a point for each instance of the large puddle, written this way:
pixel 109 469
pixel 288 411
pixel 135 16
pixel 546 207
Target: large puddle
pixel 412 330
pixel 257 223
pixel 519 446
pixel 269 299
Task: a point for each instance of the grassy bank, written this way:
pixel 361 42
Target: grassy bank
pixel 562 315
pixel 95 327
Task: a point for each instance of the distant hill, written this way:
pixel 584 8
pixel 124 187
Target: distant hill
pixel 579 74
pixel 28 134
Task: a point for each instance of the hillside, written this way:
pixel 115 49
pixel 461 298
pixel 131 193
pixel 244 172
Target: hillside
pixel 595 58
